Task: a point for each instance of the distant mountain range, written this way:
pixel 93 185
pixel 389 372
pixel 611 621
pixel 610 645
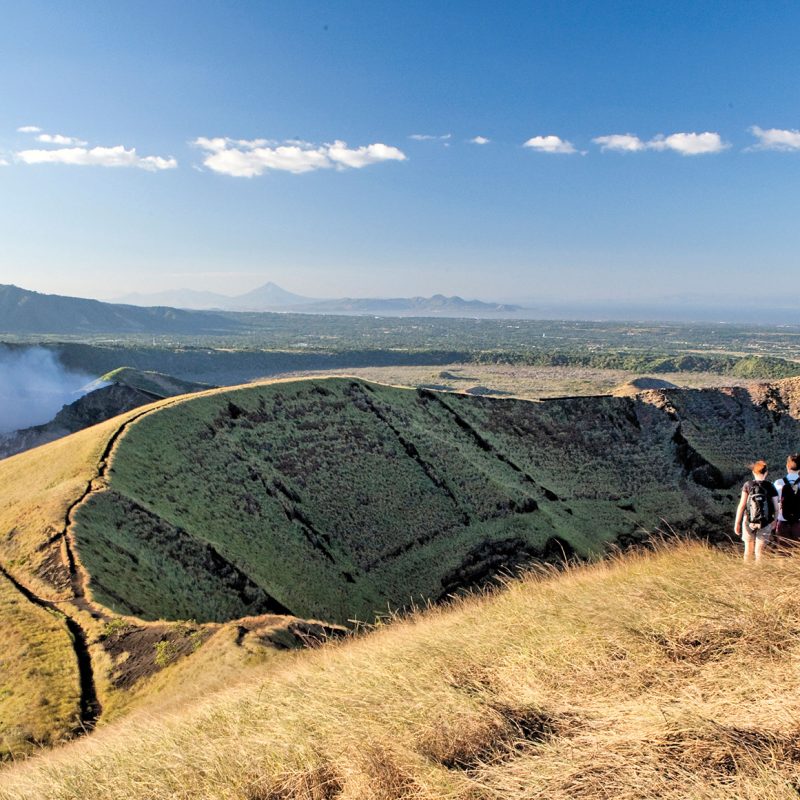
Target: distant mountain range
pixel 411 306
pixel 268 297
pixel 271 297
pixel 23 311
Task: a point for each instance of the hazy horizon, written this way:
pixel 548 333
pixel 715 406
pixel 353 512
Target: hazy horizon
pixel 671 309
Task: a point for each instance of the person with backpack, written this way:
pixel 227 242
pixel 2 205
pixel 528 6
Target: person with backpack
pixel 788 487
pixel 757 511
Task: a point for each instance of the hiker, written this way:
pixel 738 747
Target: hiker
pixel 757 511
pixel 788 527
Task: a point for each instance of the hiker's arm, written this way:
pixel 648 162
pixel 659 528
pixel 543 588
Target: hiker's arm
pixel 737 526
pixel 776 508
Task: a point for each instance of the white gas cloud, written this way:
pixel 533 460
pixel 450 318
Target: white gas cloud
pixel 118 156
pixel 687 144
pixel 34 385
pixel 57 138
pixel 480 140
pixel 427 137
pixel 550 144
pixel 244 158
pixel 29 129
pixel 776 139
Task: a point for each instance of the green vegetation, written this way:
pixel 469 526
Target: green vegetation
pixel 271 344
pixel 38 489
pixel 155 383
pixel 336 499
pixel 40 701
pixel 341 334
pixel 670 675
pixel 235 366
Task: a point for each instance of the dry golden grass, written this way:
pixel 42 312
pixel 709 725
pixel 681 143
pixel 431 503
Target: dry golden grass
pixel 38 488
pixel 668 675
pixel 38 669
pixel 38 675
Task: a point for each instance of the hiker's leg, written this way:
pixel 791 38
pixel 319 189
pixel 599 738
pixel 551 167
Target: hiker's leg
pixel 778 540
pixel 749 540
pixel 760 542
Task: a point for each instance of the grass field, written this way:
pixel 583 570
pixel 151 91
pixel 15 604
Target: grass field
pixel 668 675
pixel 331 499
pixel 133 663
pixel 337 499
pixel 39 689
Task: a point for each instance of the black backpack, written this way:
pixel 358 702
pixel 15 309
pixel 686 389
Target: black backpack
pixel 790 500
pixel 759 506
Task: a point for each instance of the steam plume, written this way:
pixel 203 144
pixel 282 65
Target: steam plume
pixel 34 386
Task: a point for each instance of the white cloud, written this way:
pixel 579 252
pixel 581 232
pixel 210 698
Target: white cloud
pixel 57 138
pixel 687 144
pixel 244 158
pixel 28 129
pixel 117 156
pixel 427 137
pixel 550 144
pixel 480 140
pixel 776 139
pixel 3 162
pixel 621 142
pixel 362 156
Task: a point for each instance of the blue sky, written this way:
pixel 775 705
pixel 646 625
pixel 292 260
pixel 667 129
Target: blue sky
pixel 196 96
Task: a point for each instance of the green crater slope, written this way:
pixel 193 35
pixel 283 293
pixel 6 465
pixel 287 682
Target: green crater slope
pixel 337 498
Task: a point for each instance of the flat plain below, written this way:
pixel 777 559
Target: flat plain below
pixel 524 382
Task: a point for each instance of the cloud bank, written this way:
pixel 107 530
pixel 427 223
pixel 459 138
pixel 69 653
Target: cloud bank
pixel 76 152
pixel 776 139
pixel 687 144
pixel 118 156
pixel 57 138
pixel 550 144
pixel 620 142
pixel 244 158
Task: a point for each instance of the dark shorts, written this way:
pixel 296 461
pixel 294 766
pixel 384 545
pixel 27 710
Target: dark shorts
pixel 788 532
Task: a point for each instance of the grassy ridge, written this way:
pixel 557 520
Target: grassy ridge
pixel 133 663
pixel 38 488
pixel 155 383
pixel 337 498
pixel 38 675
pixel 671 675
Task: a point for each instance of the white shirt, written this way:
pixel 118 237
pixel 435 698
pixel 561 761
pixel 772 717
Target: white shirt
pixel 793 477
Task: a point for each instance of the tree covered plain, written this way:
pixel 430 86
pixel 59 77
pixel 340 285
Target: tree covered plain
pixel 270 344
